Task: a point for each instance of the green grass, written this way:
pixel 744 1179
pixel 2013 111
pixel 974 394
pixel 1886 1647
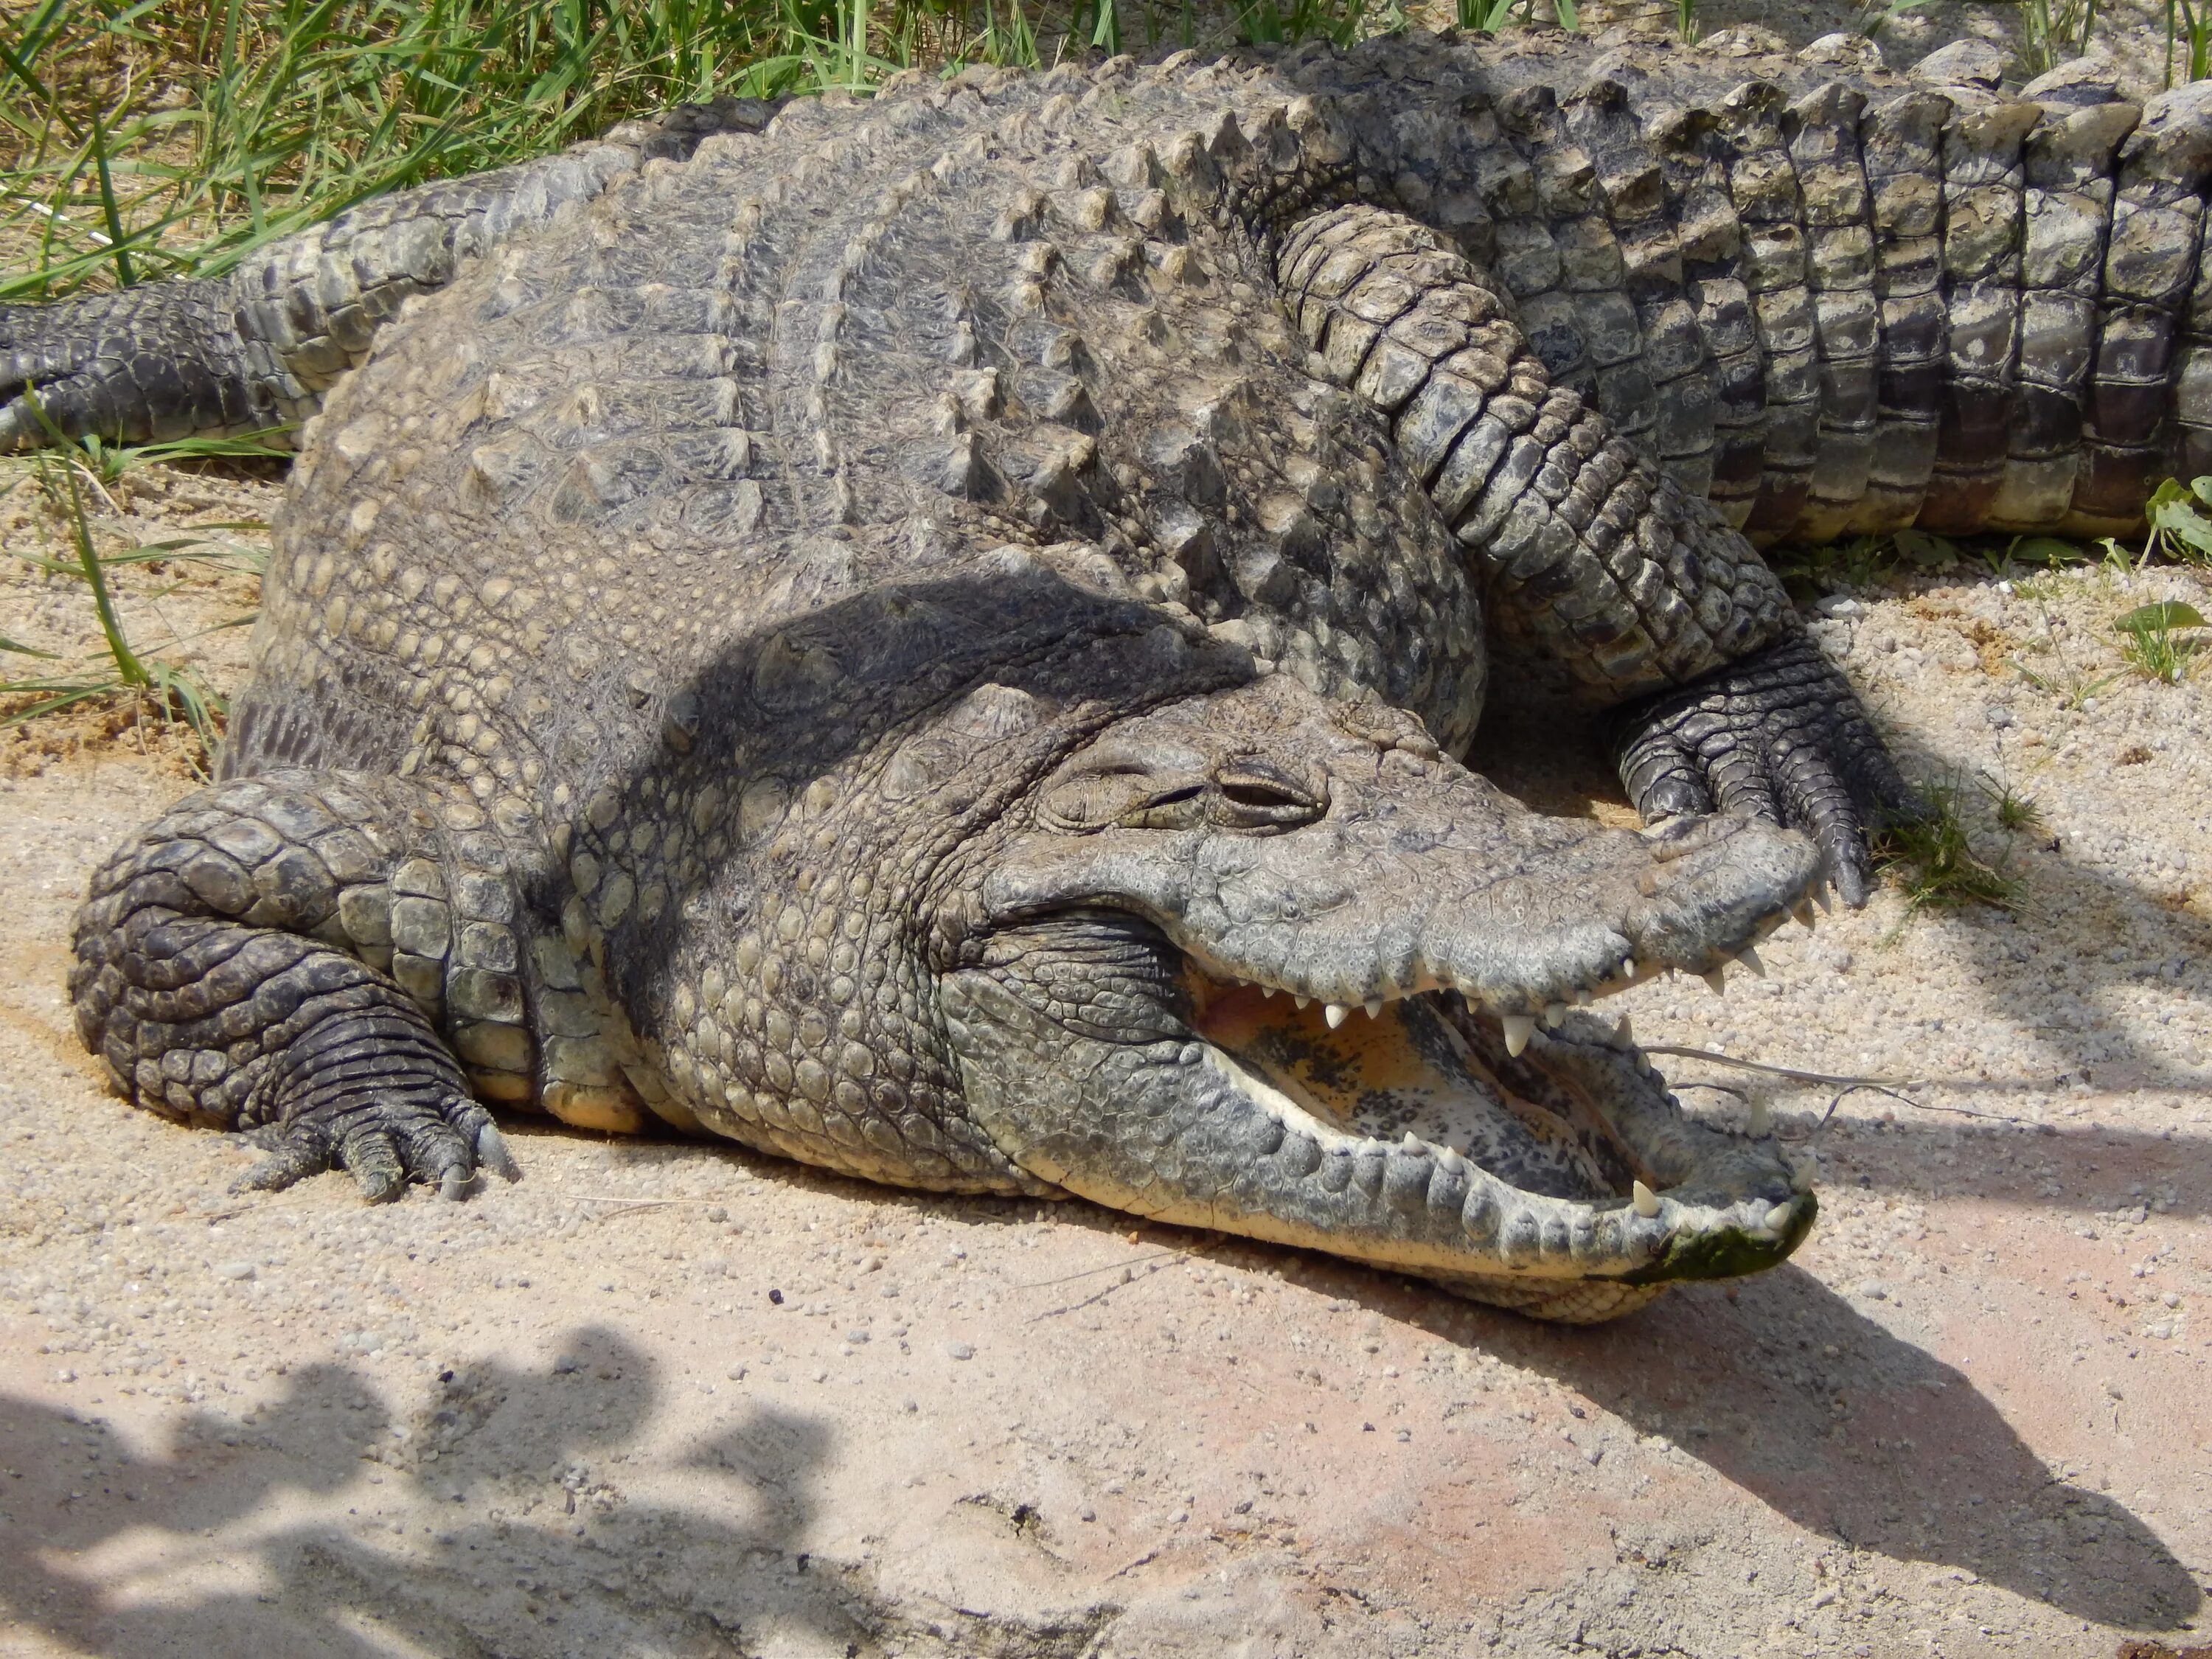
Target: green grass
pixel 1933 857
pixel 172 690
pixel 2016 813
pixel 2053 30
pixel 143 141
pixel 2161 641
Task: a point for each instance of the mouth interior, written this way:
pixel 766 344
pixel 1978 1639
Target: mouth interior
pixel 1432 1067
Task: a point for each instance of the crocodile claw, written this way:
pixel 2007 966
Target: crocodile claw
pixel 1780 735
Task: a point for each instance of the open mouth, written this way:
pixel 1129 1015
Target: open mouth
pixel 1536 1162
pixel 1561 1127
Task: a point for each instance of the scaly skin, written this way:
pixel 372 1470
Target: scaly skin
pixel 874 640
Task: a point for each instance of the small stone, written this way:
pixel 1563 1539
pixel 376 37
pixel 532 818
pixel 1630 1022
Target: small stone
pixel 1874 1290
pixel 717 1213
pixel 960 1351
pixel 1998 716
pixel 1086 1513
pixel 566 1365
pixel 235 1270
pixel 857 1336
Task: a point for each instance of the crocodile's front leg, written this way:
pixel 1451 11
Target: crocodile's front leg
pixel 228 970
pixel 1603 563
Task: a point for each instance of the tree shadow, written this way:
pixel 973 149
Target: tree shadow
pixel 1913 1463
pixel 500 1525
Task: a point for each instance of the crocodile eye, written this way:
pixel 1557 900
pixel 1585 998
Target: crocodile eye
pixel 1254 795
pixel 1131 798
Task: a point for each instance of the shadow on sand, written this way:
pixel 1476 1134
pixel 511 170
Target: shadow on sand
pixel 1836 1422
pixel 517 1540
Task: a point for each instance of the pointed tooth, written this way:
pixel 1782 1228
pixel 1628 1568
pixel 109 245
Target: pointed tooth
pixel 1716 981
pixel 1628 969
pixel 1821 898
pixel 1758 1120
pixel 1449 1157
pixel 1337 1014
pixel 1266 993
pixel 1302 1002
pixel 1749 958
pixel 1777 1218
pixel 1413 1143
pixel 1646 1201
pixel 1554 1013
pixel 1519 1027
pixel 1803 913
pixel 1624 1034
pixel 1375 1007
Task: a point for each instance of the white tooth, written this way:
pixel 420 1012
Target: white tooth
pixel 1623 1034
pixel 1266 993
pixel 1749 958
pixel 1646 1201
pixel 1302 1002
pixel 1821 898
pixel 1413 1143
pixel 1337 1015
pixel 1716 981
pixel 1628 969
pixel 1451 1160
pixel 1802 911
pixel 1375 1007
pixel 1554 1013
pixel 1519 1027
pixel 1758 1120
pixel 1778 1218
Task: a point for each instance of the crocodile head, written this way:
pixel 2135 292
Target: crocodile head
pixel 1263 964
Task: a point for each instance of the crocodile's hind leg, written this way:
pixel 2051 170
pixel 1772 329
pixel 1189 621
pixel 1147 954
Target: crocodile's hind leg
pixel 256 348
pixel 1604 564
pixel 235 968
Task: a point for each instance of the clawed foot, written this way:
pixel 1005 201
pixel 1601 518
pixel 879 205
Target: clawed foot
pixel 1780 735
pixel 386 1141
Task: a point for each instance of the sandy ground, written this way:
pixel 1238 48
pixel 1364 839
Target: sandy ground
pixel 667 1399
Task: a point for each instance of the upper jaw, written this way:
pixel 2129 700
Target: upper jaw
pixel 1540 916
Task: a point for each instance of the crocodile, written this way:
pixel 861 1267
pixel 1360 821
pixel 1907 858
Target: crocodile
pixel 937 637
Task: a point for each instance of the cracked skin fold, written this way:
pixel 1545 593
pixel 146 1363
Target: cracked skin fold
pixel 933 638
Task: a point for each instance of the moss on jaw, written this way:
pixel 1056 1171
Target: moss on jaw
pixel 1732 1255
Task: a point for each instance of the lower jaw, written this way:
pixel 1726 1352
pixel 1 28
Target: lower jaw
pixel 1201 1139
